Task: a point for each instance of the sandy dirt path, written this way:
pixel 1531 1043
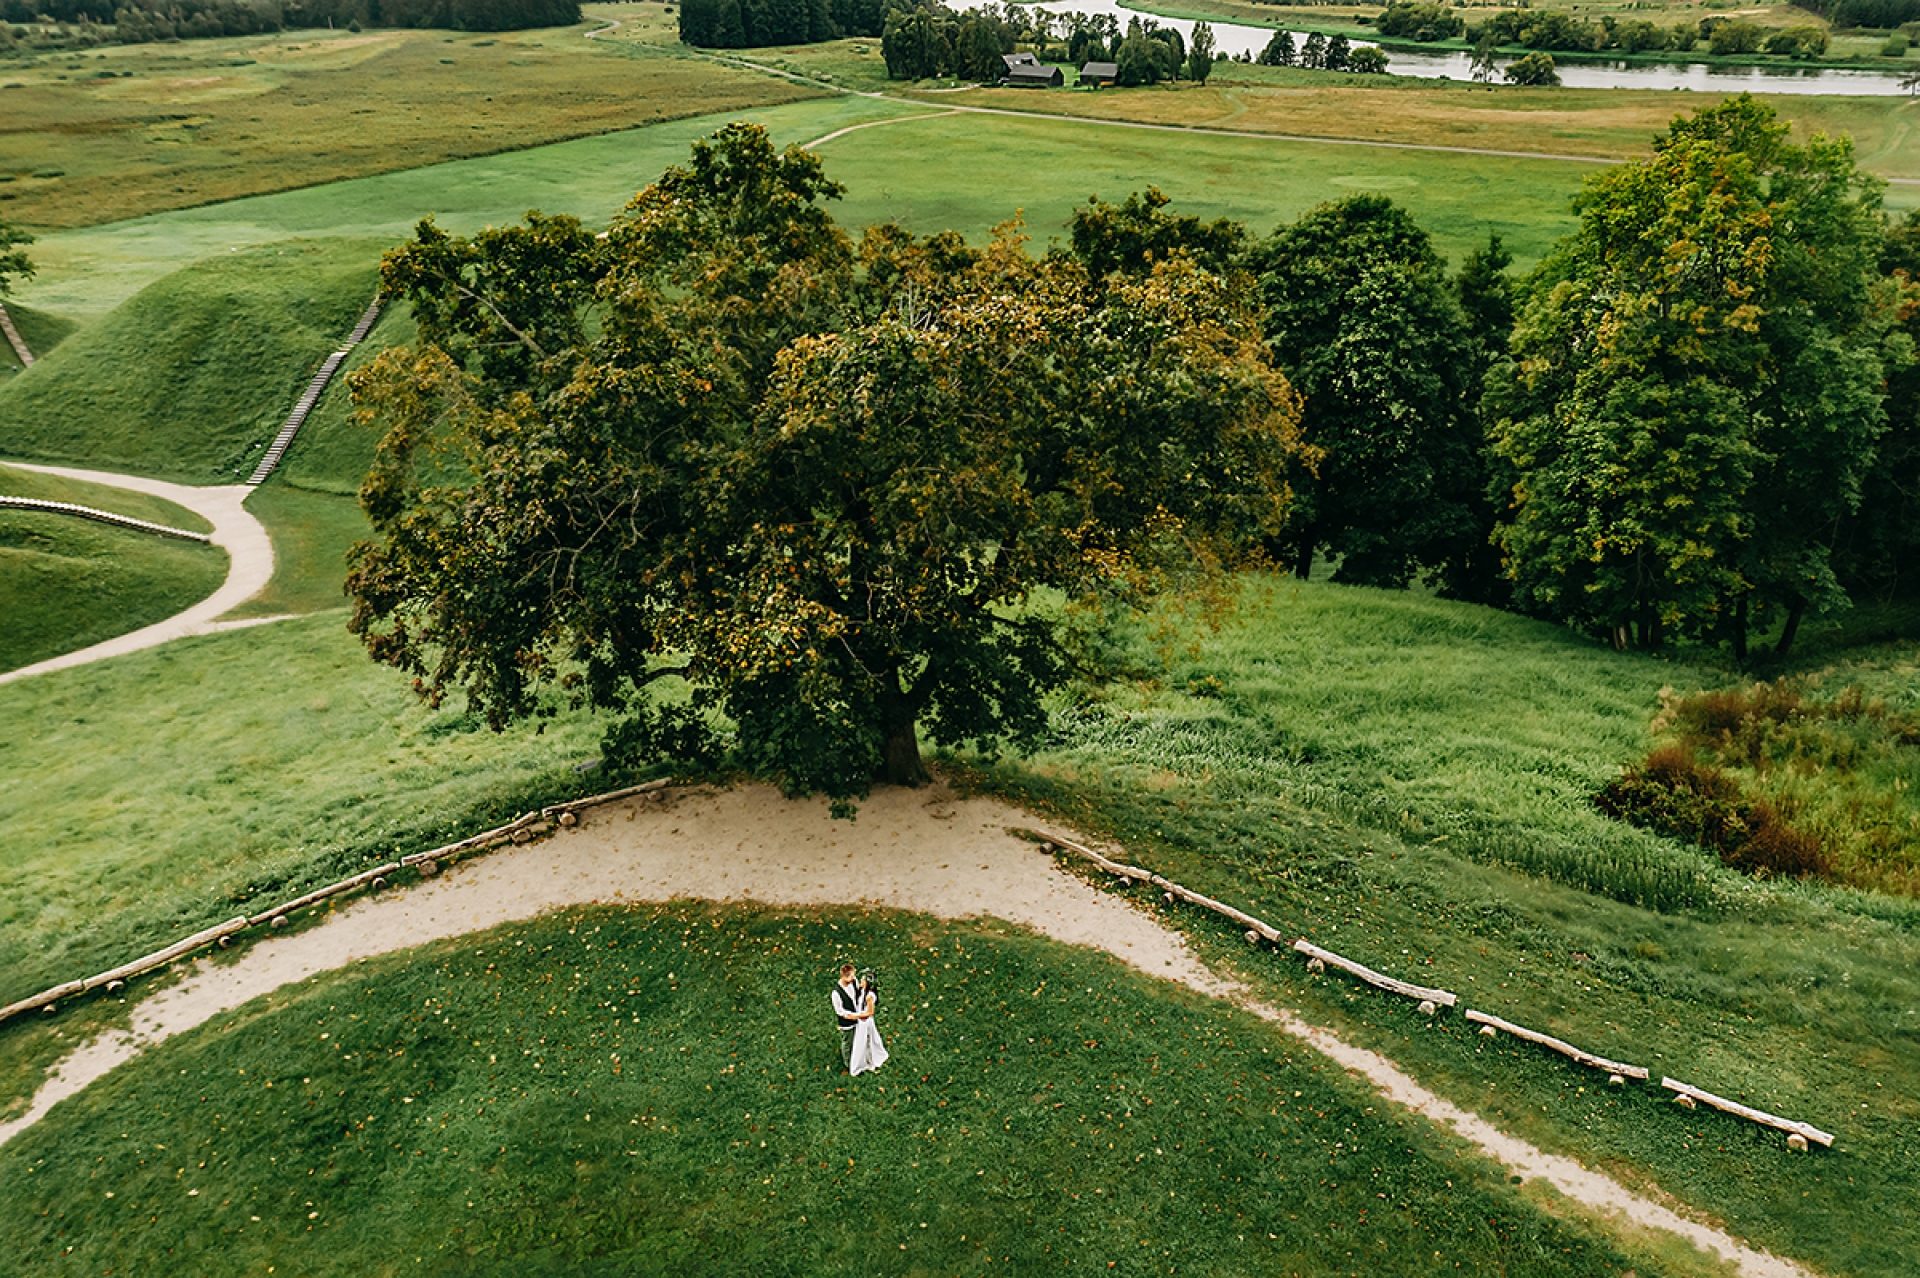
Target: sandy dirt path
pixel 235 530
pixel 910 850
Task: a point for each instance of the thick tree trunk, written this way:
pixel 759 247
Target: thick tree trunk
pixel 1794 614
pixel 902 763
pixel 1303 555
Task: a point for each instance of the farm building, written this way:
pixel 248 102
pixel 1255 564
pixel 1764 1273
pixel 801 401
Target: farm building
pixel 1031 75
pixel 1099 73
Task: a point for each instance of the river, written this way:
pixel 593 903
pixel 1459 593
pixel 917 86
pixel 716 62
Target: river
pixel 1233 38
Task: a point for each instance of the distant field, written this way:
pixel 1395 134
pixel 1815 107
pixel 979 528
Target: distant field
pixel 128 130
pixel 189 379
pixel 67 582
pixel 657 1091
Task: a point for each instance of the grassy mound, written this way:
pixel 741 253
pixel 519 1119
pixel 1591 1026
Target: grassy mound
pixel 190 378
pixel 1410 782
pixel 66 582
pixel 650 1091
pixel 332 452
pixel 39 330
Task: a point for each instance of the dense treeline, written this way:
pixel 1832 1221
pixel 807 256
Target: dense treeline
pixel 1552 30
pixel 87 22
pixel 751 24
pixel 1880 15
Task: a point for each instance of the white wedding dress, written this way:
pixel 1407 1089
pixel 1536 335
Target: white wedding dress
pixel 868 1051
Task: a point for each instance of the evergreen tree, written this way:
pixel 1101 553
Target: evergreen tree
pixel 1279 51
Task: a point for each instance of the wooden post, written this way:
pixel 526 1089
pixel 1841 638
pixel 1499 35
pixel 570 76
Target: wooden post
pixel 1564 1048
pixel 1806 1130
pixel 1443 998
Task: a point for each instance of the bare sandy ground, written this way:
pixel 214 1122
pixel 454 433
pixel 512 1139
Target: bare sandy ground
pixel 235 530
pixel 910 850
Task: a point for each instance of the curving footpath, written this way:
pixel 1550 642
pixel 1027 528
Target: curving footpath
pixel 911 850
pixel 235 530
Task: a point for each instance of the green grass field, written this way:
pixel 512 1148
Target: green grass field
pixel 190 378
pixel 1407 781
pixel 312 532
pixel 650 1091
pixel 126 130
pixel 66 583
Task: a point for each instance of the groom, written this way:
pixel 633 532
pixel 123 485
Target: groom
pixel 848 1011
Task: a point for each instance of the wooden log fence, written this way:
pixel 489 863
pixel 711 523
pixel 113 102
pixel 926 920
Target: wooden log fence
pixel 101 516
pixel 556 814
pixel 14 339
pixel 1806 1131
pixel 1567 1049
pixel 1440 998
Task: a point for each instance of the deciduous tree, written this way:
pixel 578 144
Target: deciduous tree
pixel 819 486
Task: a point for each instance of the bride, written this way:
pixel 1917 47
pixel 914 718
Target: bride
pixel 868 1051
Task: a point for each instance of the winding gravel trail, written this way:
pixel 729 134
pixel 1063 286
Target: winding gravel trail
pixel 910 850
pixel 235 530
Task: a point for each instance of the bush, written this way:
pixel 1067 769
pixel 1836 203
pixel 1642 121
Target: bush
pixel 1421 22
pixel 1896 46
pixel 1534 69
pixel 1797 42
pixel 1726 38
pixel 1672 793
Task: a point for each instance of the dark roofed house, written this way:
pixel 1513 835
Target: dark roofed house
pixel 1099 73
pixel 1033 76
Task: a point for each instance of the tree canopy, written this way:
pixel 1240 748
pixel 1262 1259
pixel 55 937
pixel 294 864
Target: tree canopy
pixel 1697 385
pixel 14 262
pixel 768 492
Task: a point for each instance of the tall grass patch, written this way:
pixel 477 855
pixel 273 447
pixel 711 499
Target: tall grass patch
pixel 658 1090
pixel 190 378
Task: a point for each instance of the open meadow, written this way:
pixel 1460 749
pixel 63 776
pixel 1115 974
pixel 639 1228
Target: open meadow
pixel 1406 779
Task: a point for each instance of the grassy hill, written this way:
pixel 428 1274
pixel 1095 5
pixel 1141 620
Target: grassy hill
pixel 39 330
pixel 616 1092
pixel 189 378
pixel 66 582
pixel 1403 779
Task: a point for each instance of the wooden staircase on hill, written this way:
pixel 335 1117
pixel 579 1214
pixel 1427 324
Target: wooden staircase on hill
pixel 14 339
pixel 311 396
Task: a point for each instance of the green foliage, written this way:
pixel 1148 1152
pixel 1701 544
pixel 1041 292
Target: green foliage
pixel 1878 543
pixel 1839 770
pixel 1673 794
pixel 1132 236
pixel 66 583
pixel 821 488
pixel 1534 69
pixel 1360 314
pixel 1279 51
pixel 1801 43
pixel 1367 61
pixel 1422 22
pixel 1200 54
pixel 731 24
pixel 1726 36
pixel 14 262
pixel 148 21
pixel 1696 387
pixel 654 1090
pixel 190 378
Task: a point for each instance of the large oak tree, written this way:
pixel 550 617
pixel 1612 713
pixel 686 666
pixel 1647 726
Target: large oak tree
pixel 758 488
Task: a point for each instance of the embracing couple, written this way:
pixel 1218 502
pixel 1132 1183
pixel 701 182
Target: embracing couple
pixel 853 1001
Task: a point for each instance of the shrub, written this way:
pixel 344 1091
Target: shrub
pixel 1896 46
pixel 1673 793
pixel 1725 38
pixel 1798 42
pixel 1534 69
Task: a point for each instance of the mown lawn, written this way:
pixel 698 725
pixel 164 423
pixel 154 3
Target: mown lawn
pixel 1407 781
pixel 40 331
pixel 607 1091
pixel 66 583
pixel 312 533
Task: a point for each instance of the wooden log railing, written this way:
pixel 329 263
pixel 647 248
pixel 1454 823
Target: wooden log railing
pixel 1426 994
pixel 1264 929
pixel 101 516
pixel 1638 1072
pixel 1806 1131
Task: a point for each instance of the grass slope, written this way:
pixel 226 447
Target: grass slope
pixel 66 582
pixel 267 759
pixel 311 532
pixel 614 1092
pixel 1406 781
pixel 332 452
pixel 39 330
pixel 190 378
